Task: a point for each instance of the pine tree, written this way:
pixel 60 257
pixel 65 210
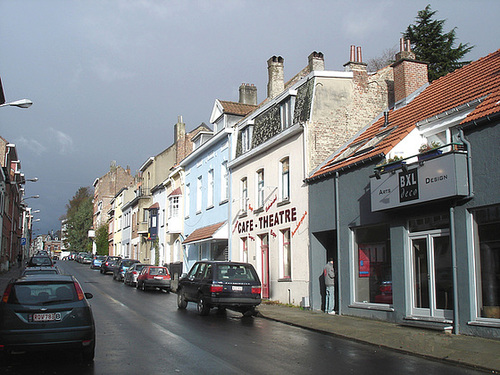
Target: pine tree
pixel 431 45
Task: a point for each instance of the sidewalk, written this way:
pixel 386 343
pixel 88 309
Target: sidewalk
pixel 464 350
pixel 469 351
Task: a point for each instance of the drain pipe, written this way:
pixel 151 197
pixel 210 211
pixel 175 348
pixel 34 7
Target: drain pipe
pixel 337 227
pixel 461 136
pixel 455 270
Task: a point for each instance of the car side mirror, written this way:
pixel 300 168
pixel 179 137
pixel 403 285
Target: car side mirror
pixel 88 295
pixel 184 275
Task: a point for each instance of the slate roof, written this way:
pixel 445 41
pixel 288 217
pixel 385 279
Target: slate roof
pixel 234 108
pixel 203 233
pixel 479 80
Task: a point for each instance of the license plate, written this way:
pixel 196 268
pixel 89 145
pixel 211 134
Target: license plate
pixel 47 317
pixel 158 277
pixel 237 288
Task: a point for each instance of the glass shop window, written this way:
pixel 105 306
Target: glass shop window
pixel 373 265
pixel 487 247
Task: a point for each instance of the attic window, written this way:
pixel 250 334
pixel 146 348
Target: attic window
pixel 350 150
pixel 375 140
pixel 364 145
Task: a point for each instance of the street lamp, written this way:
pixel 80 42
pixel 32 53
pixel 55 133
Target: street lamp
pixel 22 103
pixel 33 196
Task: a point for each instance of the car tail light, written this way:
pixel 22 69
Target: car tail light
pixel 256 289
pixel 216 288
pixel 79 291
pixel 6 293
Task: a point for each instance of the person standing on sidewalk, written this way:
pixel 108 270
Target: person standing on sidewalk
pixel 329 274
pixel 19 259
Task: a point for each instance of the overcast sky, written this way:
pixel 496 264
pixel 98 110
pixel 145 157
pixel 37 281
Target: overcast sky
pixel 108 78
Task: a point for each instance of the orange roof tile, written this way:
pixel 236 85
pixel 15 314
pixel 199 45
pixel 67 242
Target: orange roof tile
pixel 477 80
pixel 234 108
pixel 203 233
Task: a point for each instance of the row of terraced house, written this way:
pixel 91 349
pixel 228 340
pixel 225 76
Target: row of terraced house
pixel 394 177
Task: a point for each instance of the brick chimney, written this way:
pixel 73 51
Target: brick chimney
pixel 180 139
pixel 316 61
pixel 409 74
pixel 276 83
pixel 248 94
pixel 357 67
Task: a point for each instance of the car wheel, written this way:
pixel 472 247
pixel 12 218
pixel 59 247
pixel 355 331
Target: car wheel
pixel 101 271
pixel 202 306
pixel 137 285
pixel 249 312
pixel 143 287
pixel 114 277
pixel 5 357
pixel 88 354
pixel 181 300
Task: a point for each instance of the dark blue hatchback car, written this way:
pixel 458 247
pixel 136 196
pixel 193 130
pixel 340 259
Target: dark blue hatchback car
pixel 46 312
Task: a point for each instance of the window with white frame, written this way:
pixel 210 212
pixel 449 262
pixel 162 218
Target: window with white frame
pixel 260 188
pixel 210 193
pixel 173 207
pixel 199 193
pixel 285 254
pixel 286 112
pixel 224 186
pixel 244 194
pixel 187 202
pixel 246 139
pixel 285 179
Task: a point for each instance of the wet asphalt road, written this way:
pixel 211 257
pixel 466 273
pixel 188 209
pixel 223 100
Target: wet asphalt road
pixel 143 332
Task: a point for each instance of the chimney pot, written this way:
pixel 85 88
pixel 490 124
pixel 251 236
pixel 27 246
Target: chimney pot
pixel 248 94
pixel 316 61
pixel 276 82
pixel 409 74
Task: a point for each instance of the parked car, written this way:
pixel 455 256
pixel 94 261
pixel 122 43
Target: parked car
pixel 87 259
pixel 132 273
pixel 109 264
pixel 154 277
pixel 231 285
pixel 46 312
pixel 122 267
pixel 40 260
pixel 97 261
pixel 40 271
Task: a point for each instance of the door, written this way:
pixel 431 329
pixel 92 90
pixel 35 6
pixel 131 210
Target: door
pixel 264 248
pixel 432 275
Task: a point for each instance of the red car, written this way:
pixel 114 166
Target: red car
pixel 154 277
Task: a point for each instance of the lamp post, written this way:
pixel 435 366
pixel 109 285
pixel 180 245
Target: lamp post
pixel 22 103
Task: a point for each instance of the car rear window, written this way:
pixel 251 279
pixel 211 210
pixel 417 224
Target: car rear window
pixel 158 271
pixel 235 272
pixel 128 263
pixel 41 261
pixel 40 272
pixel 42 293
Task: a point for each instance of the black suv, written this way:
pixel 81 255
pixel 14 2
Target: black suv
pixel 231 285
pixel 109 264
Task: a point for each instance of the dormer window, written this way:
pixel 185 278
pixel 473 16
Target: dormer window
pixel 286 112
pixel 246 138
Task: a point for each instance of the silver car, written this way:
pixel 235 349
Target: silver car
pixel 130 277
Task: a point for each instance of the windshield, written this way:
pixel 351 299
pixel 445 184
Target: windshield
pixel 42 293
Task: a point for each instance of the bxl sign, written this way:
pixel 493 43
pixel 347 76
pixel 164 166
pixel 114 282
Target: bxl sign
pixel 408 185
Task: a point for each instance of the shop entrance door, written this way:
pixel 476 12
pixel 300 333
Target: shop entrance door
pixel 432 275
pixel 264 247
